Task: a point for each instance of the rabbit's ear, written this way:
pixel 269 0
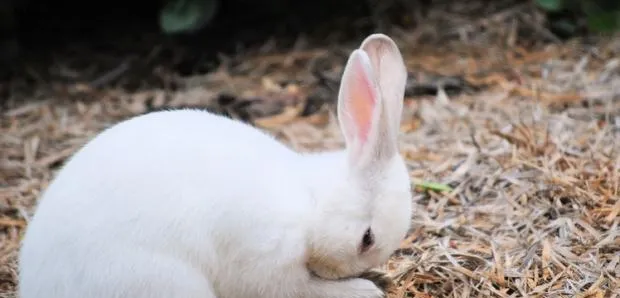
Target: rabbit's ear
pixel 360 113
pixel 391 75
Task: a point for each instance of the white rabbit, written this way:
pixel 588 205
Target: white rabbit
pixel 190 204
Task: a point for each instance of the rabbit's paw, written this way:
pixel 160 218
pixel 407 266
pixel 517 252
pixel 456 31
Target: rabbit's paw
pixel 365 288
pixel 380 278
pixel 350 288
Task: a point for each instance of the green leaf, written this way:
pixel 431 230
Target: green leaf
pixel 186 15
pixel 551 5
pixel 427 185
pixel 604 21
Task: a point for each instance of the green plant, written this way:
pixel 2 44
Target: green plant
pixel 600 15
pixel 186 15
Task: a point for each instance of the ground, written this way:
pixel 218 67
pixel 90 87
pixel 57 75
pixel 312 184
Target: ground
pixel 522 138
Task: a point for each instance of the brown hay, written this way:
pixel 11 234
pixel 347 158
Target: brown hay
pixel 533 160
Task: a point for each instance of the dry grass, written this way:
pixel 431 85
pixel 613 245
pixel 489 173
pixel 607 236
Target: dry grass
pixel 533 158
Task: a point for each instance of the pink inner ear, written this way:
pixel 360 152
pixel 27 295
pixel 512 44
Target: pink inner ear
pixel 361 99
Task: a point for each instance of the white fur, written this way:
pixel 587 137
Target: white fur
pixel 189 204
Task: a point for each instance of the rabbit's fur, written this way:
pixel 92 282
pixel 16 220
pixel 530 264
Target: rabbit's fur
pixel 190 204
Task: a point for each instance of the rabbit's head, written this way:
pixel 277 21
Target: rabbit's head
pixel 364 205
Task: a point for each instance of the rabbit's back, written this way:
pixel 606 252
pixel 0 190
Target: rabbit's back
pixel 183 184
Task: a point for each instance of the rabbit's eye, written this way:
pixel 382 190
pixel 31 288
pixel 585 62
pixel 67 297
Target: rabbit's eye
pixel 368 240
